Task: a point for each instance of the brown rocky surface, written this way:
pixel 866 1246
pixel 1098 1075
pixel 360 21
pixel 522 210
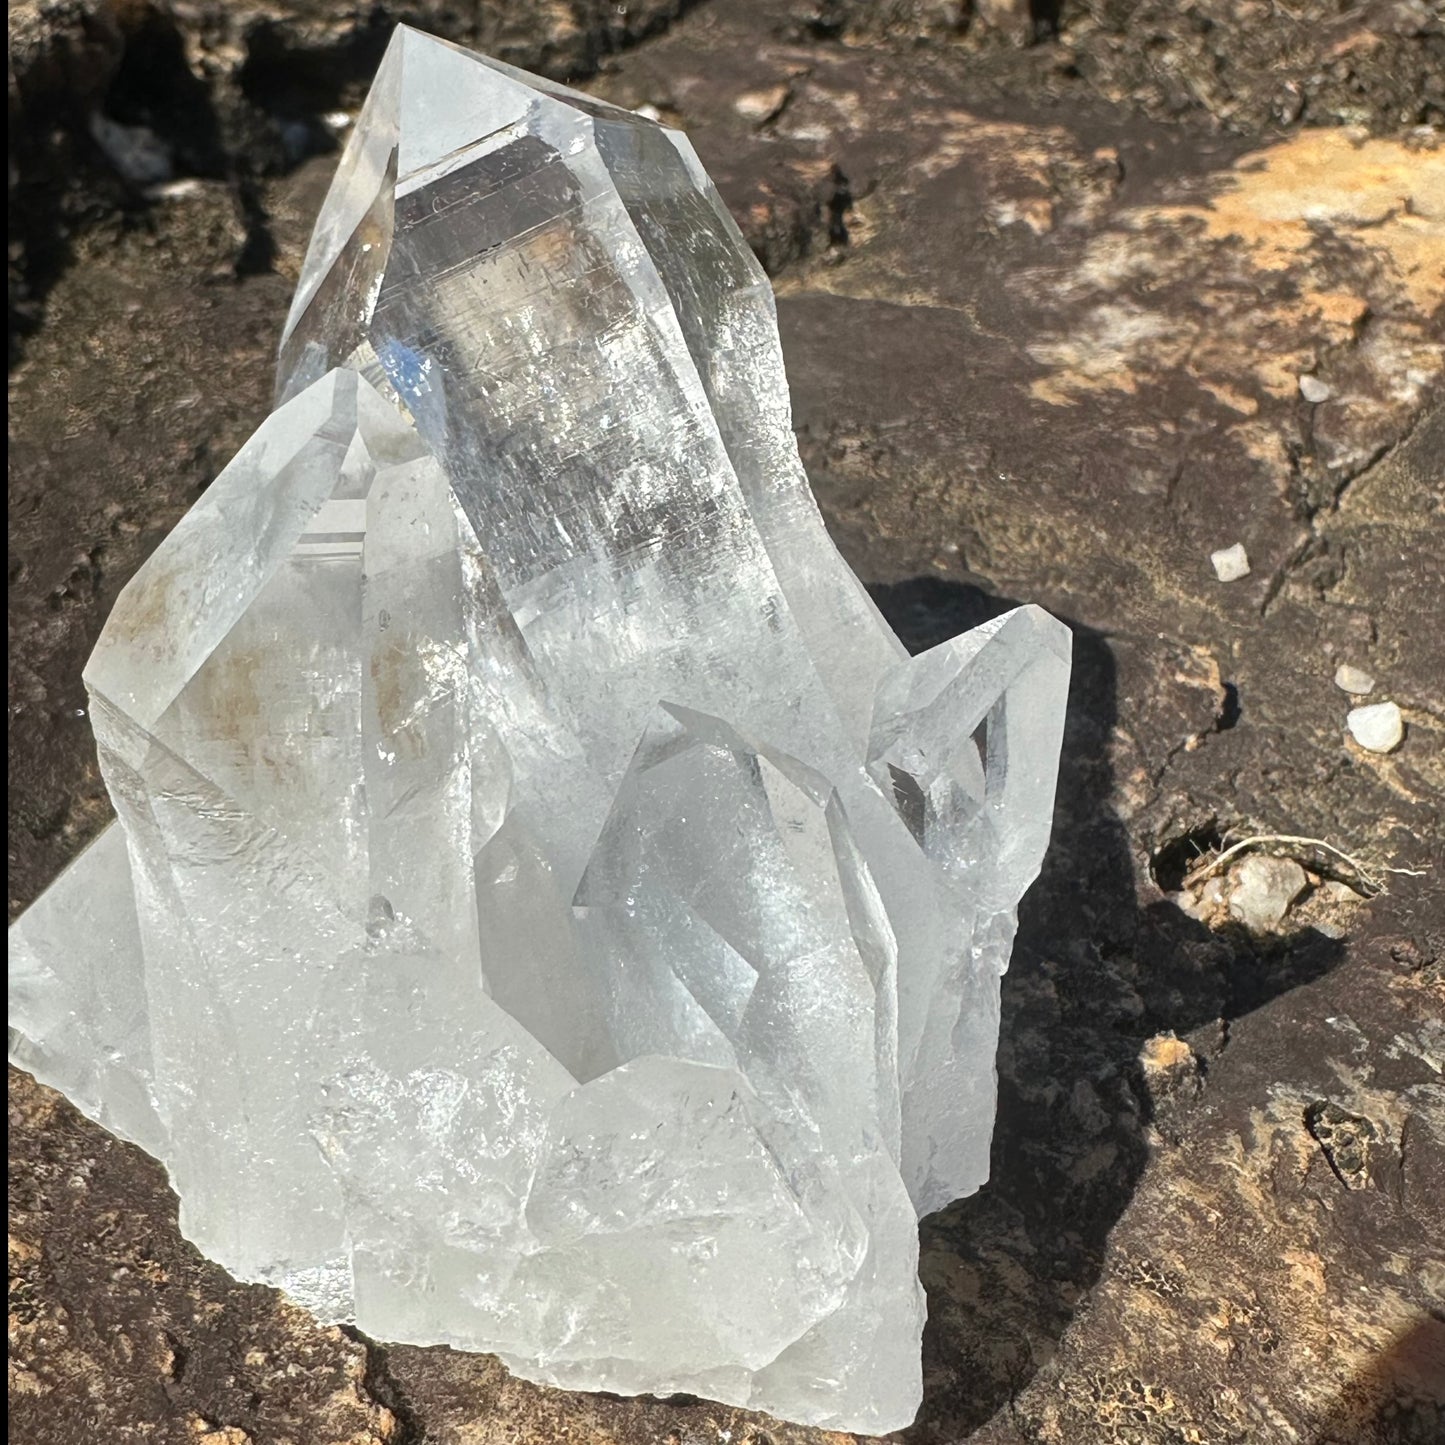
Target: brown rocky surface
pixel 1046 310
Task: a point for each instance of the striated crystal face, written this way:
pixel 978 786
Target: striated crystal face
pixel 550 913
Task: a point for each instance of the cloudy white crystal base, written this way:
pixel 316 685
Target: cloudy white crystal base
pixel 541 876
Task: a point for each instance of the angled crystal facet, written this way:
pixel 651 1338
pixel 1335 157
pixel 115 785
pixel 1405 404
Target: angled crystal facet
pixel 541 874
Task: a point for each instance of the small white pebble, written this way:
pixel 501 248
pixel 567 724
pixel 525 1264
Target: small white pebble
pixel 181 190
pixel 1377 728
pixel 337 120
pixel 1354 680
pixel 761 105
pixel 1230 563
pixel 648 112
pixel 1314 390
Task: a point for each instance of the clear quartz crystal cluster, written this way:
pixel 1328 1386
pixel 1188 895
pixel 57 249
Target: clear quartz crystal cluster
pixel 550 913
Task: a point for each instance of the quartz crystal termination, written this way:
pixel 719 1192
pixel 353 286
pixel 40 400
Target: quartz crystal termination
pixel 541 875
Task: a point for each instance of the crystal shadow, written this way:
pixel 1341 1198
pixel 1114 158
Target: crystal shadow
pixel 1095 974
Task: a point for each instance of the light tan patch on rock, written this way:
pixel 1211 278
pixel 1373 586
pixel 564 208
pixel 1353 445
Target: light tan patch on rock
pixel 1118 345
pixel 205 1433
pixel 1164 1052
pixel 1278 214
pixel 1277 200
pixel 1034 175
pixel 1341 311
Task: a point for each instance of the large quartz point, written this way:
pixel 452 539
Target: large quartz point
pixel 550 913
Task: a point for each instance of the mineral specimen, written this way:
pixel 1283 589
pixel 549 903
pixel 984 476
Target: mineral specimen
pixel 550 913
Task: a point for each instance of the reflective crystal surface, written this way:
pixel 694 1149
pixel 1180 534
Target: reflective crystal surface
pixel 541 875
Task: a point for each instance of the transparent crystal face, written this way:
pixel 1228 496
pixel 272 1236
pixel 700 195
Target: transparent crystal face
pixel 541 874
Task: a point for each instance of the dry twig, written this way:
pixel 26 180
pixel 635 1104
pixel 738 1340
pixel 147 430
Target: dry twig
pixel 1288 845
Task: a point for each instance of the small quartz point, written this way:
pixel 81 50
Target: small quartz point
pixel 1230 563
pixel 541 875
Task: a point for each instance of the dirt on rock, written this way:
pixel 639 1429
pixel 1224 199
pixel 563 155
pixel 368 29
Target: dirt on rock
pixel 1050 279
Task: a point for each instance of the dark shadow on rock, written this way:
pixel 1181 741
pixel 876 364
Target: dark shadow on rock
pixel 55 84
pixel 93 133
pixel 1096 973
pixel 1400 1399
pixel 1047 18
pixel 123 70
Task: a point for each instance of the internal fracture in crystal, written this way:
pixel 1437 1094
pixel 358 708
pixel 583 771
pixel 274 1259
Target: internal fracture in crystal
pixel 541 875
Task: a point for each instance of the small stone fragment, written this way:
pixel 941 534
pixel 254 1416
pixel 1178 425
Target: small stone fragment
pixel 1264 888
pixel 1170 1067
pixel 1186 902
pixel 1314 390
pixel 1230 563
pixel 760 106
pixel 1354 680
pixel 1204 904
pixel 137 154
pixel 1378 727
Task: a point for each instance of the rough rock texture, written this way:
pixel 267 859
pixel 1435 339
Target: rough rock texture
pixel 1046 309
